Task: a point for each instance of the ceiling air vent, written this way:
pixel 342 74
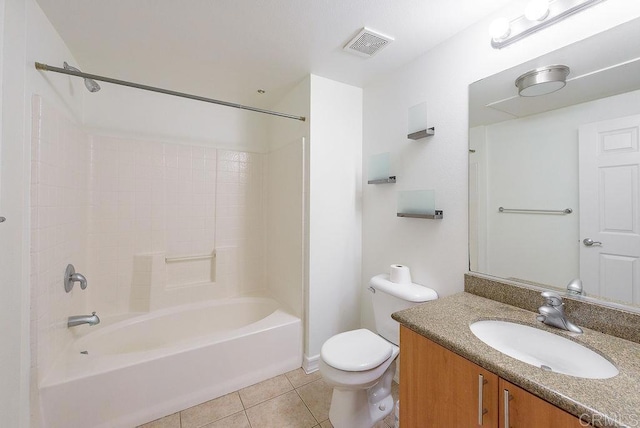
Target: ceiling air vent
pixel 367 43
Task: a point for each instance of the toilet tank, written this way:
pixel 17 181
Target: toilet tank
pixel 389 297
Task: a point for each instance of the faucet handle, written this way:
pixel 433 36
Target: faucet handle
pixel 575 287
pixel 552 298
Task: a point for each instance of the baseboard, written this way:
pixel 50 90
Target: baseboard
pixel 310 364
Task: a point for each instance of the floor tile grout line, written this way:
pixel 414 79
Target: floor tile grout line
pixel 263 401
pixel 248 420
pixel 290 383
pixel 293 388
pixel 305 405
pixel 245 408
pixel 268 399
pixel 304 384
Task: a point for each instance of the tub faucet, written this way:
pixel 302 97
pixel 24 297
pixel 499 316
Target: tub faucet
pixel 83 319
pixel 552 313
pixel 71 276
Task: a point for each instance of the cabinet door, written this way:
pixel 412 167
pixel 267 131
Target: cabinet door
pixel 521 409
pixel 438 388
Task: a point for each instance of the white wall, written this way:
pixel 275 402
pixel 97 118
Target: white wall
pixel 27 37
pixel 332 209
pixel 284 135
pixel 437 250
pixel 14 294
pixel 335 153
pixel 128 112
pixel 533 163
pixel 297 101
pixel 64 93
pixel 285 224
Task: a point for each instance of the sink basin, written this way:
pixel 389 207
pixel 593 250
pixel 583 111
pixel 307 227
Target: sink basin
pixel 543 349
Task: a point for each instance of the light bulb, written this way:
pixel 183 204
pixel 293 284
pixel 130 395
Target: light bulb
pixel 537 10
pixel 500 29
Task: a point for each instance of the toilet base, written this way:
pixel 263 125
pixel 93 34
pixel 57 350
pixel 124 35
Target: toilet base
pixel 362 408
pixel 351 409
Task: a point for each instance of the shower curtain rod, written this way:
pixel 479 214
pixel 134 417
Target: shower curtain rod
pixel 45 67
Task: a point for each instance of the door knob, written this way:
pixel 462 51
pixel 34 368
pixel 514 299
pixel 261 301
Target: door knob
pixel 590 242
pixel 2 219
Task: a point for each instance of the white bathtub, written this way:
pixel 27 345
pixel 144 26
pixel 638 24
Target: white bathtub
pixel 155 364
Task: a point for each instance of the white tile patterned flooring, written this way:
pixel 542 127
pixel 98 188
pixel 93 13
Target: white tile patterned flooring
pixel 292 400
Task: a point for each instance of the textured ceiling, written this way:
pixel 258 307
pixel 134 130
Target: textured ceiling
pixel 228 49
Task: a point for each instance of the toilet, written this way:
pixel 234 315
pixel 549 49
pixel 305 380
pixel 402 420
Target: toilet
pixel 360 364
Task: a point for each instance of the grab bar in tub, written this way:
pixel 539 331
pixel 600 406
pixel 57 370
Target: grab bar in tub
pixel 514 210
pixel 187 258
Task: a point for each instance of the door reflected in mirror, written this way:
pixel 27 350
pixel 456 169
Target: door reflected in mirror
pixel 554 180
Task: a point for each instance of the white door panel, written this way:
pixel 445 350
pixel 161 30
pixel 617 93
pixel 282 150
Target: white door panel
pixel 609 208
pixel 618 272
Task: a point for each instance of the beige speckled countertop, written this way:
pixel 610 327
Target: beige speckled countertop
pixel 606 402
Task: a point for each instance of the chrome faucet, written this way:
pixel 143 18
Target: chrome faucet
pixel 71 276
pixel 83 319
pixel 552 313
pixel 575 287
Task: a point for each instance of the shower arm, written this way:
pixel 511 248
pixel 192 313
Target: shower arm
pixel 45 67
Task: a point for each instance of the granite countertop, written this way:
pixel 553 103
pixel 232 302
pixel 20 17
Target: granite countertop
pixel 606 402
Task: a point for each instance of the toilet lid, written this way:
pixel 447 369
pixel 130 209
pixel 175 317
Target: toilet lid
pixel 356 350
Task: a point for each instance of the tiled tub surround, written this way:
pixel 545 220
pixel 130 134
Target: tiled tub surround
pixel 116 208
pixel 60 156
pixel 147 366
pixel 151 200
pixel 604 402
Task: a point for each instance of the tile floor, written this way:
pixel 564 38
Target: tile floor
pixel 292 400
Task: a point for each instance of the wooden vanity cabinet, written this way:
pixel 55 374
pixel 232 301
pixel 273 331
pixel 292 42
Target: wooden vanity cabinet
pixel 439 388
pixel 526 410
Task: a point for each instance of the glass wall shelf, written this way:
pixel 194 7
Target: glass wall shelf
pixel 418 135
pixel 436 216
pixel 391 179
pixel 418 204
pixel 379 167
pixel 417 124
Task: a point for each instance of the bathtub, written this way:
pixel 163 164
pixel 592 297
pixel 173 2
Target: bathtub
pixel 142 368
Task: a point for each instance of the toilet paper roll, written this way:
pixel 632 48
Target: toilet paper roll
pixel 400 274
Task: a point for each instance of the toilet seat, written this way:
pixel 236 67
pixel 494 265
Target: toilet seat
pixel 356 351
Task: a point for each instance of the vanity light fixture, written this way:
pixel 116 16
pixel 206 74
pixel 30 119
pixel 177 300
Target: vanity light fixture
pixel 538 14
pixel 537 10
pixel 542 81
pixel 500 29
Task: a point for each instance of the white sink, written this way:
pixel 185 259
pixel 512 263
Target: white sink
pixel 543 349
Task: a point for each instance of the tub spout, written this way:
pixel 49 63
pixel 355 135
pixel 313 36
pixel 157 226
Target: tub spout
pixel 83 319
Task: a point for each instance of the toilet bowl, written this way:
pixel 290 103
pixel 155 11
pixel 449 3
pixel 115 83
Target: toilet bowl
pixel 360 364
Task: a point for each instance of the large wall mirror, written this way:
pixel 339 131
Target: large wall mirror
pixel 554 180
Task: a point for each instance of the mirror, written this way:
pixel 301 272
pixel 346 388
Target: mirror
pixel 554 183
